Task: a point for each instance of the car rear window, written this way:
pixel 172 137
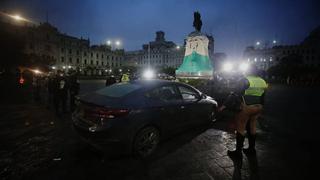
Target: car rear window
pixel 118 90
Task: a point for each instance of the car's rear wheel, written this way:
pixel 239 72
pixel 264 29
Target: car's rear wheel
pixel 146 141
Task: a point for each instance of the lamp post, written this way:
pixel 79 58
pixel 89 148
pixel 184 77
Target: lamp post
pixel 116 43
pixel 18 18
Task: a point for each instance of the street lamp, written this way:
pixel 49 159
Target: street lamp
pixel 274 41
pixel 227 67
pixel 118 43
pixel 178 47
pixel 109 42
pixel 244 67
pixel 120 70
pixel 258 43
pixel 53 67
pixel 17 17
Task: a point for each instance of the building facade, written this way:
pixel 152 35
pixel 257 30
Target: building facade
pixel 63 52
pixel 308 51
pixel 157 54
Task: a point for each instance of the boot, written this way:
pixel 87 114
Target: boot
pixel 239 145
pixel 252 143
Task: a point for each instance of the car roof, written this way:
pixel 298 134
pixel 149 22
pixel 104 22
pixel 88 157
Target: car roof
pixel 150 83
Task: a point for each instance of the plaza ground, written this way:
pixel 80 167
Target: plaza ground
pixel 35 144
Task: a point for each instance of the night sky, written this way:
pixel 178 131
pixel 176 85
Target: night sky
pixel 234 24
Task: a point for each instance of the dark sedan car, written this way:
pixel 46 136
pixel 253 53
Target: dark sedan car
pixel 136 115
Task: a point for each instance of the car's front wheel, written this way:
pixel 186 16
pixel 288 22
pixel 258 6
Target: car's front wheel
pixel 146 141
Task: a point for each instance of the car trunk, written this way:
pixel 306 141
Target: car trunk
pixel 95 109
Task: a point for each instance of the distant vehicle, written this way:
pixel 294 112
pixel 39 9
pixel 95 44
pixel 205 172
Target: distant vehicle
pixel 138 114
pixel 165 76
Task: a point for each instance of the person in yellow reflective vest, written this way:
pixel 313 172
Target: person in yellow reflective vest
pixel 246 101
pixel 125 78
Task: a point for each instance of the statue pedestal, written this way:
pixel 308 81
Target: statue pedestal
pixel 196 62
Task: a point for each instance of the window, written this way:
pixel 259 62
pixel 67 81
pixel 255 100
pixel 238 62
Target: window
pixel 70 51
pixel 85 61
pixel 102 63
pixel 78 61
pixel 70 60
pixel 97 62
pixel 91 62
pixel 91 54
pixel 85 53
pixel 62 59
pixel 97 55
pixel 118 90
pixel 77 52
pixel 62 49
pixel 188 94
pixel 165 93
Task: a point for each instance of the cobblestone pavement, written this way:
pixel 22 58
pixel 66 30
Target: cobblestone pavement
pixel 37 145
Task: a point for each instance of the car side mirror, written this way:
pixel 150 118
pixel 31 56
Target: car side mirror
pixel 203 96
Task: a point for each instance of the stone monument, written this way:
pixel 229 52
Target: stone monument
pixel 196 62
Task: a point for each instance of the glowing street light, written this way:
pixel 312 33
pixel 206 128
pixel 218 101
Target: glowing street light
pixel 17 17
pixel 120 70
pixel 109 42
pixel 227 67
pixel 244 67
pixel 37 71
pixel 118 43
pixel 148 74
pixel 53 67
pixel 69 67
pixel 258 43
pixel 274 42
pixel 178 47
pixel 64 67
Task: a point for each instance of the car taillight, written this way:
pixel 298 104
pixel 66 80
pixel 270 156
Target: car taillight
pixel 111 113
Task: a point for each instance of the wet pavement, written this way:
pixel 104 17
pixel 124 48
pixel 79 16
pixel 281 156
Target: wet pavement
pixel 35 144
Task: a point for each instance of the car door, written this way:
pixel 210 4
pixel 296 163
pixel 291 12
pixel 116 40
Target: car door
pixel 165 102
pixel 192 107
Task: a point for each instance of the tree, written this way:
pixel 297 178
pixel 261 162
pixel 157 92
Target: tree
pixel 168 70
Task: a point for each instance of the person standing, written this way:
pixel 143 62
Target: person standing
pixel 243 101
pixel 110 80
pixel 60 93
pixel 73 91
pixel 254 100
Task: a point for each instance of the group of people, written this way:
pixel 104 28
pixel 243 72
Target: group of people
pixel 57 90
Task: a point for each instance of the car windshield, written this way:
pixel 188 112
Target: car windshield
pixel 118 90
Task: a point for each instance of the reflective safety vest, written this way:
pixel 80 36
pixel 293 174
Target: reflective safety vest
pixel 257 86
pixel 125 78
